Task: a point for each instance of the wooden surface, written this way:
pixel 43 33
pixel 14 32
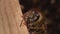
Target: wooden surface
pixel 10 18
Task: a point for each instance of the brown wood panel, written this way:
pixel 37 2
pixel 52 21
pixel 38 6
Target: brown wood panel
pixel 10 18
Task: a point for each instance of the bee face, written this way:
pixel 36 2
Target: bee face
pixel 33 15
pixel 33 18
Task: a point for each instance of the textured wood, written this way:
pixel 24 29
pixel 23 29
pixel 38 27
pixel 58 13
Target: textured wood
pixel 10 18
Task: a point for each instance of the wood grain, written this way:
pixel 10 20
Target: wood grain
pixel 10 18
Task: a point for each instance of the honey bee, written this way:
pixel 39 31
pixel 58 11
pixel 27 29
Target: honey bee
pixel 35 21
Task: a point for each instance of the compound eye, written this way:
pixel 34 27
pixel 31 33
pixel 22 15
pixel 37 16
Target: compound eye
pixel 34 17
pixel 36 13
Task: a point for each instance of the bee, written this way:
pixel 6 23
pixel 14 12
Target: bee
pixel 35 21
